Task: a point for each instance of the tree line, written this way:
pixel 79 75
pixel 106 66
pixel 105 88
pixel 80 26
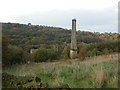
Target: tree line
pixel 22 34
pixel 16 55
pixel 53 43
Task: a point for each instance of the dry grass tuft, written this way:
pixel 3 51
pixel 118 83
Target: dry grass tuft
pixel 99 76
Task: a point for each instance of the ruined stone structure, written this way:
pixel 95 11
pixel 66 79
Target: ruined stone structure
pixel 73 47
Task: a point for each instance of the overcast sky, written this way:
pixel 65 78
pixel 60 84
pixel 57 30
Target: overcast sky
pixel 91 15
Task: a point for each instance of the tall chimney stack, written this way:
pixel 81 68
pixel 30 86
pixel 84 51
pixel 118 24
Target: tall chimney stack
pixel 73 47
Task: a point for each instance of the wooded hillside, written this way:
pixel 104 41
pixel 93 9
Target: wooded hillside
pixel 21 34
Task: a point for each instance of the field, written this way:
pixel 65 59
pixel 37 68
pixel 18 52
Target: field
pixel 94 72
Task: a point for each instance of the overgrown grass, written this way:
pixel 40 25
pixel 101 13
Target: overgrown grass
pixel 95 72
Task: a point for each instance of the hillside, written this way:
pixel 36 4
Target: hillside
pixel 26 35
pixel 95 72
pixel 53 43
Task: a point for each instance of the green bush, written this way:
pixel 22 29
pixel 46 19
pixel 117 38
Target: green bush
pixel 15 55
pixel 94 52
pixel 113 45
pixel 66 52
pixel 90 47
pixel 40 55
pixel 52 54
pixel 102 48
pixel 43 55
pixel 105 51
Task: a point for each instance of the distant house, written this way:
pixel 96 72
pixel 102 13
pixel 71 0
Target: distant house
pixel 33 50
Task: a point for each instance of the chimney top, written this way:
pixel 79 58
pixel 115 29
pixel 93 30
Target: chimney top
pixel 74 19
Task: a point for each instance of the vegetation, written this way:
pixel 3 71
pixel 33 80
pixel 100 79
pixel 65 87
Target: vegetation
pixel 66 52
pixel 95 72
pixel 11 81
pixel 53 43
pixel 12 54
pixel 17 55
pixel 21 34
pixel 82 53
pixel 103 48
pixel 28 36
pixel 88 50
pixel 43 55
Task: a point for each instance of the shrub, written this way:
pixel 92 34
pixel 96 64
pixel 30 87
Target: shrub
pixel 103 48
pixel 15 55
pixel 88 53
pixel 82 53
pixel 43 55
pixel 52 54
pixel 66 52
pixel 93 52
pixel 40 55
pixel 26 57
pixel 105 51
pixel 90 47
pixel 113 45
pixel 99 53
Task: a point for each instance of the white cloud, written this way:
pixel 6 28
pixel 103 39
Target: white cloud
pixel 59 12
pixel 11 8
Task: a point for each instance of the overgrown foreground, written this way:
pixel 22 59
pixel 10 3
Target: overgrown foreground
pixel 11 81
pixel 95 72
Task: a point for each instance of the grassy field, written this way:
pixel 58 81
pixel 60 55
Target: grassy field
pixel 95 72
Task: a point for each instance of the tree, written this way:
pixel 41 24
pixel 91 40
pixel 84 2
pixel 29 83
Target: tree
pixel 15 55
pixel 10 54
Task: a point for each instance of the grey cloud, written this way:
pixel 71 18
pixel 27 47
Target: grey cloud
pixel 90 19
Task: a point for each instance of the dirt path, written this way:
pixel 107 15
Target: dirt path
pixel 96 59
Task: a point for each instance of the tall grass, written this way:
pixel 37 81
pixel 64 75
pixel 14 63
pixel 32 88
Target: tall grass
pixel 96 72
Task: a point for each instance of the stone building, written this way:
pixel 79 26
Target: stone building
pixel 33 50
